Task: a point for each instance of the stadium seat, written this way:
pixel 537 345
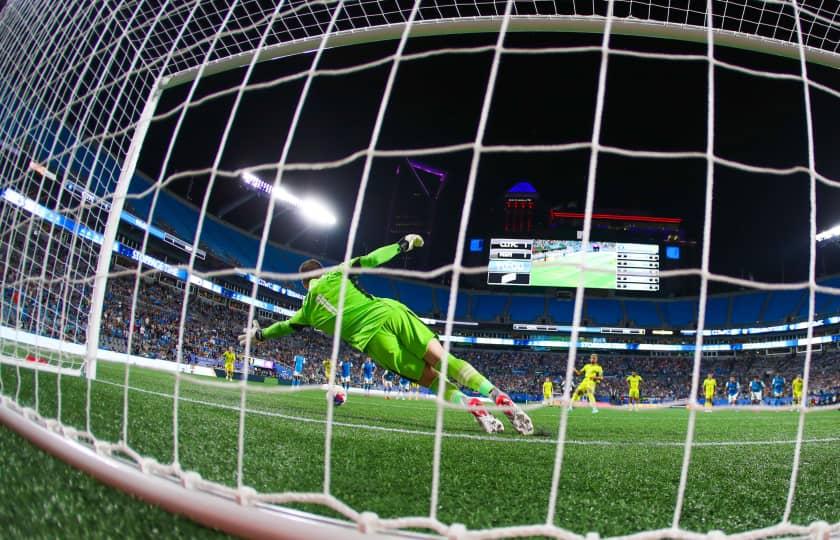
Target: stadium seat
pixel 746 308
pixel 415 296
pixel 488 307
pixel 561 311
pixel 680 313
pixel 782 304
pixel 526 309
pixel 604 312
pixel 442 303
pixel 377 285
pixel 825 305
pixel 643 313
pixel 717 311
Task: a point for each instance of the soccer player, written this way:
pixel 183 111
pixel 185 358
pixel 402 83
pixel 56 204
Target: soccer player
pixel 633 393
pixel 796 385
pixel 732 390
pixel 298 372
pixel 327 368
pixel 346 367
pixel 403 387
pixel 778 386
pixel 709 388
pixel 592 375
pixel 367 375
pixel 230 358
pixel 548 391
pixel 387 383
pixel 756 390
pixel 392 335
pixel 415 390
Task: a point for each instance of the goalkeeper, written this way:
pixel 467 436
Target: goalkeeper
pixel 392 335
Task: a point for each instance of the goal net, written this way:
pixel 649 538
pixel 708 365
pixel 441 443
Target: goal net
pixel 100 324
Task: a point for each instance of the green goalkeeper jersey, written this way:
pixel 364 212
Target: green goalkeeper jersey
pixel 363 315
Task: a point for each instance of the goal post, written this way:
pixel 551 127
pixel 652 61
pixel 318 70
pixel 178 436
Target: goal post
pixel 80 112
pixel 106 250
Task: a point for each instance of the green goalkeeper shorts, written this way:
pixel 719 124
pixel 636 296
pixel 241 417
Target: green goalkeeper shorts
pixel 400 344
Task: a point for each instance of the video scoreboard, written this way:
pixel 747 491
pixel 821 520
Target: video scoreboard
pixel 558 263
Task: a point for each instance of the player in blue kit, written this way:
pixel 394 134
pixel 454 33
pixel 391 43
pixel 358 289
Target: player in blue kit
pixel 403 387
pixel 733 389
pixel 778 387
pixel 387 383
pixel 756 390
pixel 298 372
pixel 368 368
pixel 346 366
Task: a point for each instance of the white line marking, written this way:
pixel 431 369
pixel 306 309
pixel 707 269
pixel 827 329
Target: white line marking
pixel 468 436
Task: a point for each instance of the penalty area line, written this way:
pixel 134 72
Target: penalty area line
pixel 477 437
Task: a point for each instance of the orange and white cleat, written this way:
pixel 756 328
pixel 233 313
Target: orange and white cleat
pixel 521 421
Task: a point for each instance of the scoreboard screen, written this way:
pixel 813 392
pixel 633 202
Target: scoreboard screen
pixel 558 263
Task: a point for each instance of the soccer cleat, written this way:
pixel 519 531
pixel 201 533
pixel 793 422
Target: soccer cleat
pixel 487 421
pixel 594 411
pixel 521 422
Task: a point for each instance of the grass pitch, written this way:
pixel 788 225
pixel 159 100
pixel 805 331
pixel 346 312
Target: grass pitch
pixel 620 469
pixel 565 273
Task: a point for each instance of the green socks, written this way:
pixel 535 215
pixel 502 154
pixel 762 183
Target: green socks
pixel 466 375
pixel 450 391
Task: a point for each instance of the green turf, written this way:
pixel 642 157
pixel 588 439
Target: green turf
pixel 619 475
pixel 564 273
pixel 42 497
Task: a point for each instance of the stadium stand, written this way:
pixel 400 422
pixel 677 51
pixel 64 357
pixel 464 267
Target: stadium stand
pixel 488 307
pixel 746 308
pixel 604 312
pixel 680 313
pixel 643 313
pixel 717 311
pixel 561 311
pixel 213 323
pixel 442 303
pixel 525 309
pixel 377 285
pixel 416 297
pixel 782 304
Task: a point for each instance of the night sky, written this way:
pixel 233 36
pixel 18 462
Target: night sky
pixel 760 222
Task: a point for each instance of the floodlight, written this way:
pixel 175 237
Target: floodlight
pixel 310 208
pixel 316 211
pixel 829 234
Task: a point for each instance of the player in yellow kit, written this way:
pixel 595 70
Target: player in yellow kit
pixel 327 368
pixel 633 382
pixel 548 391
pixel 229 358
pixel 797 384
pixel 592 375
pixel 709 388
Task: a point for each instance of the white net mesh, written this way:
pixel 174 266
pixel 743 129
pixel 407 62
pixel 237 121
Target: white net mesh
pixel 82 82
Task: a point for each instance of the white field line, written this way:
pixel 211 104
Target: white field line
pixel 528 440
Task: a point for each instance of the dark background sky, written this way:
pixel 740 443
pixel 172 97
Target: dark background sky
pixel 760 221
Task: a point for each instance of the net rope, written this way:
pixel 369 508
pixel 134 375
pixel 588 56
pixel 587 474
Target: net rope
pixel 216 37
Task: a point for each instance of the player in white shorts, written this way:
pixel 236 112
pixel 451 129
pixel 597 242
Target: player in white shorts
pixel 756 390
pixel 387 383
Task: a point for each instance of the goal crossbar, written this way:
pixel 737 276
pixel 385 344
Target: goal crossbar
pixel 520 23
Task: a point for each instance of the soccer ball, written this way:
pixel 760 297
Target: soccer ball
pixel 337 394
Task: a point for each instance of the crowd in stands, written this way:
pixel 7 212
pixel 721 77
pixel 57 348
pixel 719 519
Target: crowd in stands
pixel 54 308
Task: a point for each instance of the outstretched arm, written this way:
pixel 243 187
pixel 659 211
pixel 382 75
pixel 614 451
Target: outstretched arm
pixel 284 328
pixel 384 254
pixel 276 330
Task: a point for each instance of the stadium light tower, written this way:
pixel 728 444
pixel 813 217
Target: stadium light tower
pixel 310 208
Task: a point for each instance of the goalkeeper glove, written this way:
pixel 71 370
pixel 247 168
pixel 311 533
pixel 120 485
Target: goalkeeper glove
pixel 410 241
pixel 254 333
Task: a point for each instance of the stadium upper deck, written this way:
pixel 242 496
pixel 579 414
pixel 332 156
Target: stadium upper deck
pixel 759 308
